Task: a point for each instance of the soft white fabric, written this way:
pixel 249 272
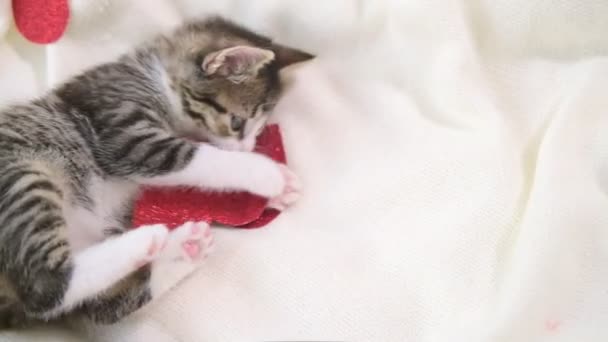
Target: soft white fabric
pixel 17 79
pixel 455 158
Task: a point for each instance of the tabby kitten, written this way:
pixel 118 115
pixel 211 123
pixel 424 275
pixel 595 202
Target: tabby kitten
pixel 71 164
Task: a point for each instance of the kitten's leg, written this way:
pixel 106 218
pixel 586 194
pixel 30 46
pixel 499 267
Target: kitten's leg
pixel 186 246
pixel 49 289
pixel 216 169
pixel 151 156
pixel 35 256
pixel 119 301
pixel 11 314
pixel 99 267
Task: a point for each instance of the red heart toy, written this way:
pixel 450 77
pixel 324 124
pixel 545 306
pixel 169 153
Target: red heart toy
pixel 41 21
pixel 175 206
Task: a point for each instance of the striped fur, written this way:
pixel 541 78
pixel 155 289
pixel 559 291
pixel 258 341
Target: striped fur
pixel 71 162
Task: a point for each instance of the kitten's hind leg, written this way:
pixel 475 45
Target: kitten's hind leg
pixel 101 266
pixel 185 247
pixel 11 314
pixel 47 277
pixel 49 290
pixel 36 262
pixel 119 301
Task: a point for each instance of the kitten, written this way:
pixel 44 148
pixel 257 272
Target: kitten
pixel 71 164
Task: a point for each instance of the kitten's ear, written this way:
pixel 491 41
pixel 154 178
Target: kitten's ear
pixel 286 56
pixel 237 63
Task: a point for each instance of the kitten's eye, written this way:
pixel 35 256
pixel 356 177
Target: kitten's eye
pixel 237 123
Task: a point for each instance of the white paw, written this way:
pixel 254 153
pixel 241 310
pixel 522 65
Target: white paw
pixel 264 177
pixel 190 242
pixel 291 190
pixel 152 240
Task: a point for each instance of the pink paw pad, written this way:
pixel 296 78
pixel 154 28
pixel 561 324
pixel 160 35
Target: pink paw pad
pixel 156 243
pixel 189 241
pixel 195 229
pixel 153 248
pixel 290 194
pixel 200 239
pixel 191 248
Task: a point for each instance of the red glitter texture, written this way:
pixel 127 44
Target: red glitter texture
pixel 175 206
pixel 41 21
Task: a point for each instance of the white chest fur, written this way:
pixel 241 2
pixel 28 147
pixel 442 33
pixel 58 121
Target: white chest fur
pixel 86 226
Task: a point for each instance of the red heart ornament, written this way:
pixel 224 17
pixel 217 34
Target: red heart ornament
pixel 41 21
pixel 175 206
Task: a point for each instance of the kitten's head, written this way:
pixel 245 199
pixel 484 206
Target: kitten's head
pixel 227 79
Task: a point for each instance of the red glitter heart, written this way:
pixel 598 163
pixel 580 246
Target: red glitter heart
pixel 41 21
pixel 174 206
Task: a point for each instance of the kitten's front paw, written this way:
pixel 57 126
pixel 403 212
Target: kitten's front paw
pixel 264 177
pixel 291 191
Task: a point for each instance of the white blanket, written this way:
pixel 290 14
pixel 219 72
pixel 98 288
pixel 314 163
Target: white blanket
pixel 455 156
